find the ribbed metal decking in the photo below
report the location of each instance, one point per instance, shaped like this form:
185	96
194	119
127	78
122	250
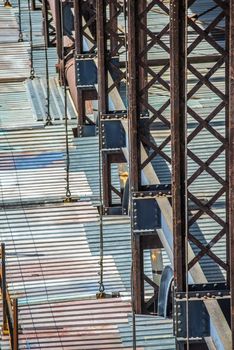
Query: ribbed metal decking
52	248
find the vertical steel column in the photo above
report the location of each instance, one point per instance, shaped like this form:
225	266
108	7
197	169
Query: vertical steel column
191	128
49	29
20	39
15	325
46	22
178	57
142	113
78	27
102	55
78	13
133	110
231	159
103	93
134	152
3	288
59	31
110	77
33	4
85	46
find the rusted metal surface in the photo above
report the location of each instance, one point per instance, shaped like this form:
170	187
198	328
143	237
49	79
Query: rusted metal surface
142	115
191	125
159	155
231	162
112	48
178	126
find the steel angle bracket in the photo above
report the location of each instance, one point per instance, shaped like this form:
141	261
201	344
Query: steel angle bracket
86	71
146	214
112	131
115	210
192	304
159	190
86	130
198	321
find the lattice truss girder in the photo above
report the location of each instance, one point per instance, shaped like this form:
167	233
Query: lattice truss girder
49	25
207	146
115	46
149	129
86	13
153	83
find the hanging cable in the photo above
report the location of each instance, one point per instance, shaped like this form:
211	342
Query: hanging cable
20	39
68	197
134	333
32	71
48	115
101	293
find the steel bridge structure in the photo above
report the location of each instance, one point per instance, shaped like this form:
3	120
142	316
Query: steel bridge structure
148	91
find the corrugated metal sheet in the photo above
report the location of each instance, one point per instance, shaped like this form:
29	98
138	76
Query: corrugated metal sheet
52	249
37	90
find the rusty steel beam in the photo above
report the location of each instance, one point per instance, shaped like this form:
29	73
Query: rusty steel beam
231	159
110	78
183	115
83	11
134	154
15	325
178	54
3	289
141	81
48	27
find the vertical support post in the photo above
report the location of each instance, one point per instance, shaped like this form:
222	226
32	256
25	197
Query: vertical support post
134	146
103	103
231	158
20	39
3	288
46	20
102	72
78	27
33	4
103	92
15	325
114	25
59	31
178	129
138	281
83	12
134	156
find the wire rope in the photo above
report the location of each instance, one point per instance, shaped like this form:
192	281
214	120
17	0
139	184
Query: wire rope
20	39
134	332
48	121
32	70
101	237
101	232
68	196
